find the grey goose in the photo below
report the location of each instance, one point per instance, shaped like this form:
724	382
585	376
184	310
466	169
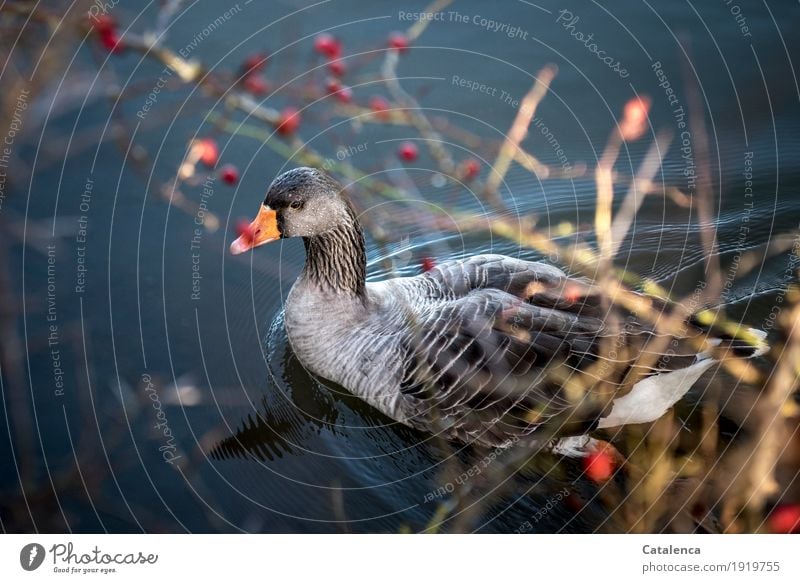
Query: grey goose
468	348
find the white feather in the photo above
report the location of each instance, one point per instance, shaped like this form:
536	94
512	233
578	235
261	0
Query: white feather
650	398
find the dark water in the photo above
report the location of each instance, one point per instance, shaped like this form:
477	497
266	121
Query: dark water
308	457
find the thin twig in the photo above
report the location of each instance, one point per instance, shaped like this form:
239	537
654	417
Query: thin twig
519	130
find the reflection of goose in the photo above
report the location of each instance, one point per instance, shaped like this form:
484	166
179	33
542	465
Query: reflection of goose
478	349
279	423
257	437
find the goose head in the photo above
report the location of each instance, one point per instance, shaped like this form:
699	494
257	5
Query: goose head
302	202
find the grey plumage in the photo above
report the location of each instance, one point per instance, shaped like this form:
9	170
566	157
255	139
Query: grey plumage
470	347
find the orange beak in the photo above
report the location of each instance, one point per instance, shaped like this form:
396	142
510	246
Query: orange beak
264	229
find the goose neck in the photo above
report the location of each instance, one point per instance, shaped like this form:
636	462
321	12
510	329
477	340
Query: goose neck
336	261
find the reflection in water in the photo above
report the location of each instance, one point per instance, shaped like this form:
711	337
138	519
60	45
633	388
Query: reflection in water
297	402
261	436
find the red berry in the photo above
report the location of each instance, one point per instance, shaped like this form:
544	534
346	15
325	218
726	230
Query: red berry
408	151
345	94
398	41
208	153
106	27
598	466
634	118
289	121
428	263
785	519
256	84
380	106
470	168
337	68
327	45
254	63
245	231
112	42
229	174
636	109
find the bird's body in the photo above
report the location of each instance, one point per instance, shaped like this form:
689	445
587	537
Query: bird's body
482	350
428	344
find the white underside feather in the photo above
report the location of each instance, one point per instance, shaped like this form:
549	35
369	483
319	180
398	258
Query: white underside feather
650	398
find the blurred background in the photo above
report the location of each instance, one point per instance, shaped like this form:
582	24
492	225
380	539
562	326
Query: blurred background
147	384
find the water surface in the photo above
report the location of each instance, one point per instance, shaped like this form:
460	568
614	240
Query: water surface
255	443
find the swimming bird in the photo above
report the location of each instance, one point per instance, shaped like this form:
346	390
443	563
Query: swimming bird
487	349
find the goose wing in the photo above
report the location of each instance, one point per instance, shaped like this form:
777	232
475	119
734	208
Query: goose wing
492	360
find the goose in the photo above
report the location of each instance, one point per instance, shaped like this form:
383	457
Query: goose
469	348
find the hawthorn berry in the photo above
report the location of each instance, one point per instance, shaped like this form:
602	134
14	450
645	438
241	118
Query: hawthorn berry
399	42
634	118
289	121
785	519
598	466
470	168
208	152
229	174
408	151
327	45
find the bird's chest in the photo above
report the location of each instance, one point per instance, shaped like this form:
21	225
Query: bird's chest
323	332
356	348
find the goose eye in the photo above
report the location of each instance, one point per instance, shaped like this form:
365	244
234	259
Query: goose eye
296	204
